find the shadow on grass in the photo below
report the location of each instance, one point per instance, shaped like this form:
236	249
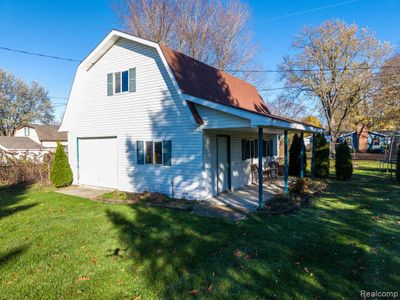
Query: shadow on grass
345	244
9	197
12	254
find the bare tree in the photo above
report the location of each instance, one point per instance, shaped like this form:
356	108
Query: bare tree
333	63
212	31
21	104
287	106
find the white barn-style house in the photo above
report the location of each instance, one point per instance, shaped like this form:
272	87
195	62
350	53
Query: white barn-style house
143	117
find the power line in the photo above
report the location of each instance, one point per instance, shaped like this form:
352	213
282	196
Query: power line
39	54
309	70
306	11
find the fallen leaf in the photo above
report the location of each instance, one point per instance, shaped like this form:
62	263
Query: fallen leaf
83	278
306	269
93	260
238	253
193	292
210	287
138	297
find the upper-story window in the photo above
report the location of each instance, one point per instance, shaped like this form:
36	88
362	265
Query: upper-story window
26	131
121	82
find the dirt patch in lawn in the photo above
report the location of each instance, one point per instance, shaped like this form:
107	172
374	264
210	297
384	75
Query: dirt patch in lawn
145	198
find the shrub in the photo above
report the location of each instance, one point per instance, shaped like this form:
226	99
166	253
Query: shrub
297	186
321	156
61	174
344	167
295	156
306	186
398	166
24	169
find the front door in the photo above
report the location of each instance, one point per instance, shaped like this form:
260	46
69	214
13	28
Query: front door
223	164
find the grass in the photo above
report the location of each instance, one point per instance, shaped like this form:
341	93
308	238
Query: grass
115	195
54	246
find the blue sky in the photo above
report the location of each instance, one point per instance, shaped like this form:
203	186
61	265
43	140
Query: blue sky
73	28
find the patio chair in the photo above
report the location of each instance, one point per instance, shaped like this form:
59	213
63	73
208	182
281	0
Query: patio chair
269	173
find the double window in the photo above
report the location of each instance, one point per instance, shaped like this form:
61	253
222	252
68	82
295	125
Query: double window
250	148
121	82
154	152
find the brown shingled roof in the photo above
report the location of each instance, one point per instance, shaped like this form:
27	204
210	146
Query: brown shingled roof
49	133
19	143
203	81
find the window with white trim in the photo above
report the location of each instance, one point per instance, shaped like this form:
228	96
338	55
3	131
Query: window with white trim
154	152
26	131
121	82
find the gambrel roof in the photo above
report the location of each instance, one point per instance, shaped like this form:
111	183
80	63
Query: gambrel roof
203	81
198	83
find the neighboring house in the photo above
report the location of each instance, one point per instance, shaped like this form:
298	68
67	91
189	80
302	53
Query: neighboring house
22	147
141	116
45	135
363	140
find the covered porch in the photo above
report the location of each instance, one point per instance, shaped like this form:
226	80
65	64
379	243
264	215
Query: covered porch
245	199
230	134
240	182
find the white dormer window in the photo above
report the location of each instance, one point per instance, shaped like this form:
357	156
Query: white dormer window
121	82
26	131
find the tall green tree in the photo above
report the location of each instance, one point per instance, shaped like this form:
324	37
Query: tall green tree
295	156
333	65
321	156
61	173
343	164
21	104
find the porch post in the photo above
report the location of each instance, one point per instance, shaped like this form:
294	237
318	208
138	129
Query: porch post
314	144
286	162
302	155
260	167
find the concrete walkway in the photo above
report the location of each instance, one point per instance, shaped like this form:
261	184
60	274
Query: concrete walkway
83	191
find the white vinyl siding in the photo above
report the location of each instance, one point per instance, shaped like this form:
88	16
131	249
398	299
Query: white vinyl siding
217	119
153	113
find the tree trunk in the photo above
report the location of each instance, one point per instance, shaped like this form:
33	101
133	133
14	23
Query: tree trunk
332	145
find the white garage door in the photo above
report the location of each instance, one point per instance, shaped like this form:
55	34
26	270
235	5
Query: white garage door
98	162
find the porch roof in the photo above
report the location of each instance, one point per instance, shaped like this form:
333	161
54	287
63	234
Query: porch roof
257	119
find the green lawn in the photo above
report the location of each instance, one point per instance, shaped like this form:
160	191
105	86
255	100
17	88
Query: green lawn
54	246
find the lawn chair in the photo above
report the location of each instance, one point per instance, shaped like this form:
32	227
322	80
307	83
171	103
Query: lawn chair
269	173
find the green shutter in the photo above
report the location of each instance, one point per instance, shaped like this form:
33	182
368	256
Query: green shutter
140	152
132	80
167	153
109	84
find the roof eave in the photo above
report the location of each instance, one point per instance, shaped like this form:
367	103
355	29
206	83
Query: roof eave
257	119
